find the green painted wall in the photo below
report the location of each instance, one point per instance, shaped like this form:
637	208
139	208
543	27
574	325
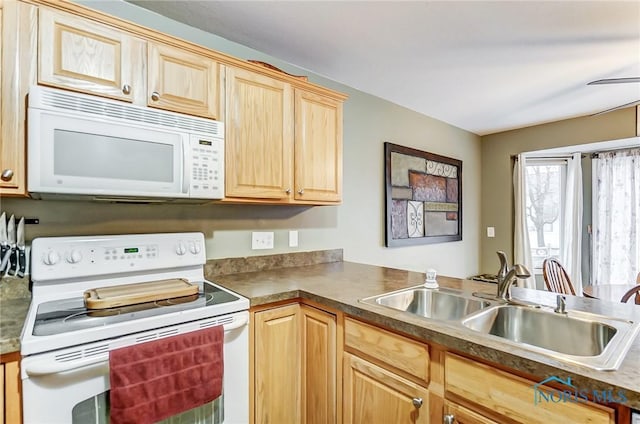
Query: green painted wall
357	225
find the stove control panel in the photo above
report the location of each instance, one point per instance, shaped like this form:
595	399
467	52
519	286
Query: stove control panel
72	257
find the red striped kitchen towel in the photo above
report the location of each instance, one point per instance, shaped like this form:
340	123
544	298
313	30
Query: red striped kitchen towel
156	380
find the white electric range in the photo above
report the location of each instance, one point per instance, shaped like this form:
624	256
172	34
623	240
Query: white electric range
65	346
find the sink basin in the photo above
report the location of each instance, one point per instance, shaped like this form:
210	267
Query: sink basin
591	340
442	304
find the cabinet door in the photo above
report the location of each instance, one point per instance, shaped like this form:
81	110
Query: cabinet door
1	383
374	395
12	398
85	56
461	415
259	136
18	73
318	147
318	366
277	365
182	82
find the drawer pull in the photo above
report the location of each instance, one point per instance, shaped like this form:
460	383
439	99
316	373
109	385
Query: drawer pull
448	419
126	89
155	96
417	402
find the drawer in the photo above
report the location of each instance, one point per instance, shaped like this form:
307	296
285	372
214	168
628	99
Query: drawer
498	392
399	352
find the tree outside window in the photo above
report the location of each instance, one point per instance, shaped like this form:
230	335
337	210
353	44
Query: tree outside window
544	209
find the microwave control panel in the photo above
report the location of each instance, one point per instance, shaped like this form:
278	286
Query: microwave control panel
207	167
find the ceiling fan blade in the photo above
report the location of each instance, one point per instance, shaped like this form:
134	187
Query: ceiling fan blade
637	102
614	81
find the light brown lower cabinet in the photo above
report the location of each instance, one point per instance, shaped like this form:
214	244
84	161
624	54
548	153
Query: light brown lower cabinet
456	414
294	366
319	368
502	396
374	395
385	377
11	400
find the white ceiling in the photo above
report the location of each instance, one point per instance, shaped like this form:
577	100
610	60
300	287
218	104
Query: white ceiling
484	66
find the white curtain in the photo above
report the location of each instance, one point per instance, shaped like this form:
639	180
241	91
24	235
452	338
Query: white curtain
616	217
571	254
521	248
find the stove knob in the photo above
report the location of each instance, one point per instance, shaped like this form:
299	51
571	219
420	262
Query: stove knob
181	249
50	257
194	248
74	256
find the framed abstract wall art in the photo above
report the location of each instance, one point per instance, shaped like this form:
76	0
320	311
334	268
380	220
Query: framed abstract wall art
423	194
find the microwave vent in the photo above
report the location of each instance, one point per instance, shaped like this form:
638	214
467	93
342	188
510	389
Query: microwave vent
49	98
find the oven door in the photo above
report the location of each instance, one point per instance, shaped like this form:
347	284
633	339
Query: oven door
72	385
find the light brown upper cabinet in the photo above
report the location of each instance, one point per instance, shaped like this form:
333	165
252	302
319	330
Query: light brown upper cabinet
182	82
284	145
318	147
259	136
283	134
82	55
17	73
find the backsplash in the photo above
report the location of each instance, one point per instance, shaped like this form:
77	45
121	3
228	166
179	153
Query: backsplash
217	267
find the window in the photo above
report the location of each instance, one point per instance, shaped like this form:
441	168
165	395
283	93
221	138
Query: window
616	217
545	181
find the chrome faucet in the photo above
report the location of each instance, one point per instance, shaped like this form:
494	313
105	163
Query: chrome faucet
504	265
507	276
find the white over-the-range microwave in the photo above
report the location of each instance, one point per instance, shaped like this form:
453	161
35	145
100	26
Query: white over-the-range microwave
101	149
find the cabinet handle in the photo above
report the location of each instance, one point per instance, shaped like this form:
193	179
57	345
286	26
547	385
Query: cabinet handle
301	191
7	175
288	191
155	96
417	402
449	419
126	89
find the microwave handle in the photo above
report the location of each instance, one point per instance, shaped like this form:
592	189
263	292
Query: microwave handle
186	163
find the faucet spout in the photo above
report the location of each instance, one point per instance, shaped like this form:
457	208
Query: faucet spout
504	265
504	285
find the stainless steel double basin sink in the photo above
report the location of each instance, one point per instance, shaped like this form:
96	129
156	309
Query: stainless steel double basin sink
591	340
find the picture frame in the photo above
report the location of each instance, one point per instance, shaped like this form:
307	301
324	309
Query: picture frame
423	197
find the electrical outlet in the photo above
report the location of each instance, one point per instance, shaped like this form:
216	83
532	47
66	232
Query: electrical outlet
635	417
262	240
491	231
293	238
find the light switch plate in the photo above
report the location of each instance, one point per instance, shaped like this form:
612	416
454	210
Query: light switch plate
635	417
491	231
262	240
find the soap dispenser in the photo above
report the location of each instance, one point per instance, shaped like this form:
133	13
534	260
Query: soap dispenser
430	281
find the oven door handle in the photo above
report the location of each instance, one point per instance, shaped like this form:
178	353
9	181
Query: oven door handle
47	366
238	321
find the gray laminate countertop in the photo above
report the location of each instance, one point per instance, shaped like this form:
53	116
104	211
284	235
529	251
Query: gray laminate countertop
14	304
340	285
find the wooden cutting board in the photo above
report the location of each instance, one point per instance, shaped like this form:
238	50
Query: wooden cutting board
130	294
